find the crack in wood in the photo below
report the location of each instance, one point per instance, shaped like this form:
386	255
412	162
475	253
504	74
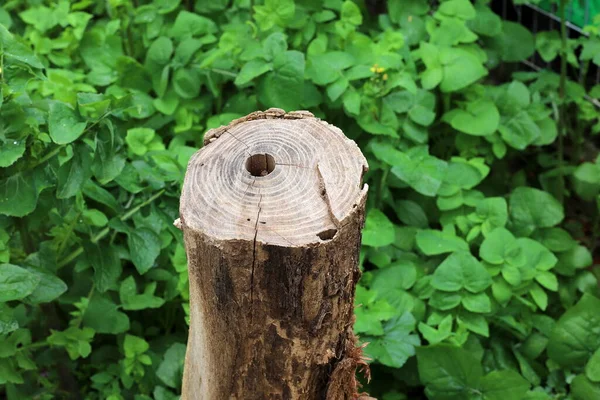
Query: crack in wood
254	260
325	197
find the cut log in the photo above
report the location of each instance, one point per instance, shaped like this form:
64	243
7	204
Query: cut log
272	209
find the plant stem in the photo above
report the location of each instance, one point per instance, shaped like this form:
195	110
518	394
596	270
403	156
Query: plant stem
562	104
100	235
382	185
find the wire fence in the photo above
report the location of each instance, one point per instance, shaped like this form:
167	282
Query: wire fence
544	18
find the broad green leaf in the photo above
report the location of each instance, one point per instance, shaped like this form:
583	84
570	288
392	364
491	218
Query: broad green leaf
448	372
352	100
475	323
50	287
274	12
15	50
160	51
586	180
576	335
103	316
73	174
397	344
64	123
479	118
584	389
519	130
188	24
477	303
514	44
433	242
460	69
16	282
411	213
459	271
75	340
106	264
131	300
170	370
486	22
144	247
378	231
531	208
10	150
284	86
18	194
592	368
494	247
503	385
252	69
143	140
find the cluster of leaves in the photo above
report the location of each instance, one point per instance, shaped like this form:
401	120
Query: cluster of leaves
483	215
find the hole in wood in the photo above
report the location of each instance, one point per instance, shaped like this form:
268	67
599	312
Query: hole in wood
260	164
327	234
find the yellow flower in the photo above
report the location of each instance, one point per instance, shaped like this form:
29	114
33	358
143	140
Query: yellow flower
385	77
380	70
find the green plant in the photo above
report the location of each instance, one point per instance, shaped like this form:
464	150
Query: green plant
483	216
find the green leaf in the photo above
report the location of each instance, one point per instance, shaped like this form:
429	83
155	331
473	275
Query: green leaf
160	51
64	124
531	208
397	344
73	174
586	180
188	24
16	282
433	242
351	13
103	316
448	372
479	118
477	303
461	270
170	370
18	194
503	385
10	150
144	247
274	12
576	335
583	389
378	231
50	287
75	340
252	69
519	130
592	368
411	213
337	88
106	264
284	86
143	140
460	69
351	100
495	246
15	50
515	43
131	300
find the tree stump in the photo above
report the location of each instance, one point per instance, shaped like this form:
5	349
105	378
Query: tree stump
272	209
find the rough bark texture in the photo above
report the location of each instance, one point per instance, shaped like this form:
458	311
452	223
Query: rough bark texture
273	271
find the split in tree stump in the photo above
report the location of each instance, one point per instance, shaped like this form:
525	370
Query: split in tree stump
272	210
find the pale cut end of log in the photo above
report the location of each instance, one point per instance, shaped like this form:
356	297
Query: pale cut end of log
271	209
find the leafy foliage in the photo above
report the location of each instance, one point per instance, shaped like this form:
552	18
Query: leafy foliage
481	236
